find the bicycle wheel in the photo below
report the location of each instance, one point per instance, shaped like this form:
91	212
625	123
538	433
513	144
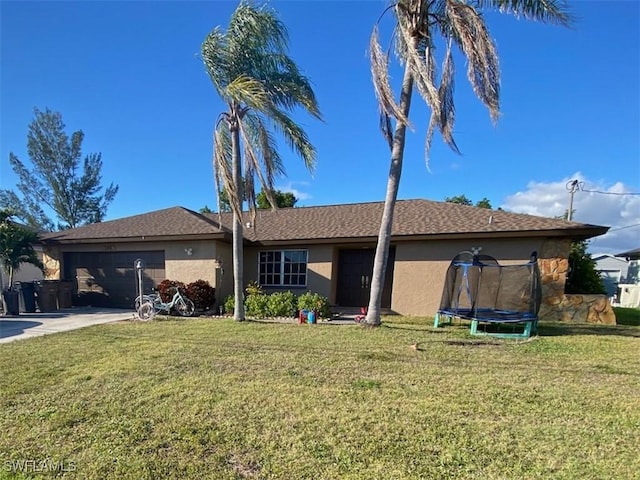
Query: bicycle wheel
146	311
145	298
185	307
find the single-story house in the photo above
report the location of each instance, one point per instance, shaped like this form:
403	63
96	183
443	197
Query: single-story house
613	271
628	293
324	249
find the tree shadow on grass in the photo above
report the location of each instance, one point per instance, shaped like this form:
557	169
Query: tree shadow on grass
556	329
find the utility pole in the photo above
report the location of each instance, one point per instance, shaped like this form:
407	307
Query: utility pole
572	186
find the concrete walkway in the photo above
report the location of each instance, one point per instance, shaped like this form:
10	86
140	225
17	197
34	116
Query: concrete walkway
29	325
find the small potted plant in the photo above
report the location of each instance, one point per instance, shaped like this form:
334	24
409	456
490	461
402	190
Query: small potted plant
16	247
314	302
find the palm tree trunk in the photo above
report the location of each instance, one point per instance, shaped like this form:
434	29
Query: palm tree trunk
395	170
237	245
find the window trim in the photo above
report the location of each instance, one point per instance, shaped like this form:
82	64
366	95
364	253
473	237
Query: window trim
282	273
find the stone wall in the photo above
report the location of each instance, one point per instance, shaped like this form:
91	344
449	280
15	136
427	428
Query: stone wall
51	264
554	266
553	262
580	308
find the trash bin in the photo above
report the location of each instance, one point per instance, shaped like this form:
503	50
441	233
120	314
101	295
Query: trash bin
11	302
64	294
47	295
27	296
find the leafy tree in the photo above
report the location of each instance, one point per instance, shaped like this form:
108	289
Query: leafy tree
419	26
260	85
582	276
484	203
463	200
16	245
60	179
283	199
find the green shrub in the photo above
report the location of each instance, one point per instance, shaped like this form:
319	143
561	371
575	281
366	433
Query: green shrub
257	305
583	278
627	316
202	294
166	289
229	304
282	304
254	288
314	301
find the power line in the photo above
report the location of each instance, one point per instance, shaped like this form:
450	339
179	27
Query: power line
622	228
582	189
575	185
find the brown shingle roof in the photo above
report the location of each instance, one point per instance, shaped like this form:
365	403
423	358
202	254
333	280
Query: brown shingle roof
336	222
170	222
411	218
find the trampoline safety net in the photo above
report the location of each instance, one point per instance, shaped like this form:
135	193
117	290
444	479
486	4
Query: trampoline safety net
478	288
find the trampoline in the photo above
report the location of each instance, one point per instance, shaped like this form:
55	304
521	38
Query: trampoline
477	288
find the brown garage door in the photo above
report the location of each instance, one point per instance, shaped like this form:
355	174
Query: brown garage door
107	279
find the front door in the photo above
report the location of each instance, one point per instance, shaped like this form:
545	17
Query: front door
355	268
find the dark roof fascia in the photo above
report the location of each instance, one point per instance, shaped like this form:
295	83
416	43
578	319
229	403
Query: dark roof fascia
630	255
225	236
575	234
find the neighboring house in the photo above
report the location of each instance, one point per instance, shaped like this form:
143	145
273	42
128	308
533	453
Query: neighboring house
613	271
26	272
325	249
629	287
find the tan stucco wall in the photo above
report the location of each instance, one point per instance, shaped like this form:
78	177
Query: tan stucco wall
224	273
420	268
203	263
320	263
419	272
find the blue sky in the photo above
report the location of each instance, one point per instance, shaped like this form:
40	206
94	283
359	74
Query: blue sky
129	75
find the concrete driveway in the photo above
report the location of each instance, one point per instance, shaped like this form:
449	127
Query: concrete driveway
29	325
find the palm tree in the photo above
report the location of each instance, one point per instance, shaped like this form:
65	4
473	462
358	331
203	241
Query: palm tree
420	25
260	85
16	248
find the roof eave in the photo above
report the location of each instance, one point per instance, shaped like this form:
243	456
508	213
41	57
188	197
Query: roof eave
573	234
137	239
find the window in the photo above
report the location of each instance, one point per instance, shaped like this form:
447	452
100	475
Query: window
283	268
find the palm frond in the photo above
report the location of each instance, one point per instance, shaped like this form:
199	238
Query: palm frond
420	57
381	82
248	91
295	137
445	93
470	33
266	161
213	51
266	144
221	155
256	28
547	11
222	168
386	128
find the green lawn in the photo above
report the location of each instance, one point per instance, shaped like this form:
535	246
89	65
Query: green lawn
217	399
627	316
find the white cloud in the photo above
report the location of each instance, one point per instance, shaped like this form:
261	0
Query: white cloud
594	202
299	194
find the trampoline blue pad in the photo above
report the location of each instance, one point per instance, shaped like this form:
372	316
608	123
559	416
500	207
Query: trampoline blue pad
490	316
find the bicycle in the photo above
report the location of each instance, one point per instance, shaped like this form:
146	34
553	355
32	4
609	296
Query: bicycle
152	304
